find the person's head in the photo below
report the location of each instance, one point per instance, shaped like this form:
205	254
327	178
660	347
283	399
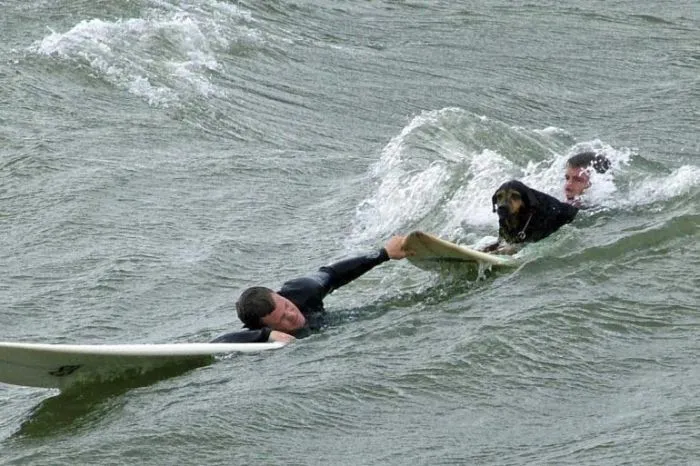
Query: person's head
261	307
578	176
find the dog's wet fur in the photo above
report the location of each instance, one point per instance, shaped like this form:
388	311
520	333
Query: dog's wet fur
526	215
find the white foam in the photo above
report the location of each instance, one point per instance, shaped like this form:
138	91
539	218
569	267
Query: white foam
551	131
470	205
652	189
393	154
164	57
431	177
97	44
399	198
427	172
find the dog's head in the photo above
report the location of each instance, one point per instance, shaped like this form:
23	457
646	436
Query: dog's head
525	214
513	201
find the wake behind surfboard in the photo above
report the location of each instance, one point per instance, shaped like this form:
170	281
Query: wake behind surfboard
61	366
431	249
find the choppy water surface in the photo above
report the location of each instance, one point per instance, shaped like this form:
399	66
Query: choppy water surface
157	157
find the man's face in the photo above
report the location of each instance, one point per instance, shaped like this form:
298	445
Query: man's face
577	180
286	317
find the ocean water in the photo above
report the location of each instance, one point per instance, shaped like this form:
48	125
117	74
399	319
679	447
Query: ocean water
157	157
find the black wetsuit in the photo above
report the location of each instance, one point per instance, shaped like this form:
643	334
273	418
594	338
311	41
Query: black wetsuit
307	294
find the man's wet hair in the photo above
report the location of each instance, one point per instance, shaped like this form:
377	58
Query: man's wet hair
600	163
254	304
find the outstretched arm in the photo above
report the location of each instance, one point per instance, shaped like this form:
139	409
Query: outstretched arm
343	272
308	292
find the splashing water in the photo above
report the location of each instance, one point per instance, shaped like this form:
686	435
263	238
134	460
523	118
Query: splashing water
440	172
129	53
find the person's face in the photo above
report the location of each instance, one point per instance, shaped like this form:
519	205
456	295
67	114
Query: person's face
576	182
286	317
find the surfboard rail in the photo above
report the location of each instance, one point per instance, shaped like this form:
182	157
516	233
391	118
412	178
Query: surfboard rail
60	365
430	247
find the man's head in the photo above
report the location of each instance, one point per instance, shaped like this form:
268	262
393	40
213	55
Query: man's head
261	307
578	175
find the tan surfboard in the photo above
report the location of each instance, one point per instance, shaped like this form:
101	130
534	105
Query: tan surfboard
61	365
428	247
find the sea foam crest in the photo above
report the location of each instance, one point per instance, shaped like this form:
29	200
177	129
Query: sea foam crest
439	173
432	177
651	189
162	58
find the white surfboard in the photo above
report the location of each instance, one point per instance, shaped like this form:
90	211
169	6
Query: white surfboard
428	247
59	366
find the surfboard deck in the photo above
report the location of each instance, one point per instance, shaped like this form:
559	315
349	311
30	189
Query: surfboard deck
428	247
61	365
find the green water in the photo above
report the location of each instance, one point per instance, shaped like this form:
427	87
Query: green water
158	157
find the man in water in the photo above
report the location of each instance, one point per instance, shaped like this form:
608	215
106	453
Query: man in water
578	179
578	174
297	308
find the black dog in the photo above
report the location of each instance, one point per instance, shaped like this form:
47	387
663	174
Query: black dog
527	215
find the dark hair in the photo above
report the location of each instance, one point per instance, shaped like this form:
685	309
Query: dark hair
254	304
600	163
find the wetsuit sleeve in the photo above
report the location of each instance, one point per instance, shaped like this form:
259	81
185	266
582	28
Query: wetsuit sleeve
308	292
261	335
343	272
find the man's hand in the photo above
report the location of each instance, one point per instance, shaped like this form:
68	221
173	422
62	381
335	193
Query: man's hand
281	337
394	247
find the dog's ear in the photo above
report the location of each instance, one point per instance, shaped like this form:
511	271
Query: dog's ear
493	200
530	198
